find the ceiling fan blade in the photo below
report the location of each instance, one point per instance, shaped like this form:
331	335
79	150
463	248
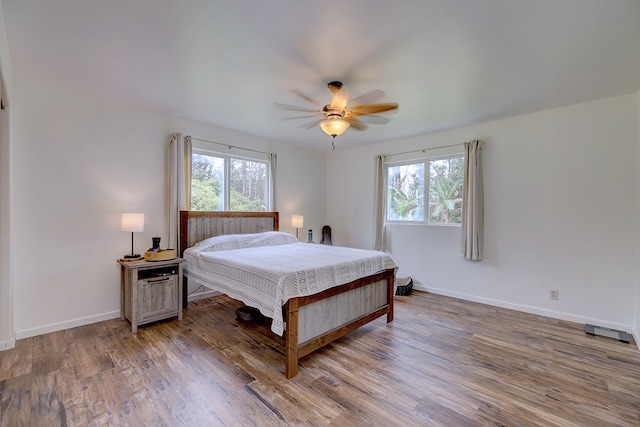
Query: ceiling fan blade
296	108
310	124
306	116
373	108
356	124
307	98
367	98
372	119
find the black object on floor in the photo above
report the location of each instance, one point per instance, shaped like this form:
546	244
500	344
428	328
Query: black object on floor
326	236
606	332
404	286
249	314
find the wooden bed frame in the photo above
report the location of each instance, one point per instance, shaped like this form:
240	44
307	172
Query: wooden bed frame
311	321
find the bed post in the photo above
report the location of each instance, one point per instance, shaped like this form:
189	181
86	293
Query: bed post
291	338
390	295
184	232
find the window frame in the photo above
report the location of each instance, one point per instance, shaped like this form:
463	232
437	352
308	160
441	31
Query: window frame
227	158
426	162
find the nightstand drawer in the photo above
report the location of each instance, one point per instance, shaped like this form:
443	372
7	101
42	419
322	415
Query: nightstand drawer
157	298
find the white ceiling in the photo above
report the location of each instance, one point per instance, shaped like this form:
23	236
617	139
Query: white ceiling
447	63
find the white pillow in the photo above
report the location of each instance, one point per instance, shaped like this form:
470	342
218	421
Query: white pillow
221	243
239	241
270	238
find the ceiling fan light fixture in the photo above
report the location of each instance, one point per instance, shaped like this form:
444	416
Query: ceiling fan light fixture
334	126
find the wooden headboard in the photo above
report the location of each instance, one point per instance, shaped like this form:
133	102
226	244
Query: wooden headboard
199	225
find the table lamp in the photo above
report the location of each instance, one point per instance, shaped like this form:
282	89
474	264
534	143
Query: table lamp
133	222
296	222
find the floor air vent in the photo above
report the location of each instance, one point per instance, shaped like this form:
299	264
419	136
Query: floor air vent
606	332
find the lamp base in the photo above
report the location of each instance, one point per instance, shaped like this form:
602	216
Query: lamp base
132	257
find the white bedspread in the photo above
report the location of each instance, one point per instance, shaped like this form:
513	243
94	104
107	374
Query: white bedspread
266	277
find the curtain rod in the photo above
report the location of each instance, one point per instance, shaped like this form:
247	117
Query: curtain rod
423	150
230	146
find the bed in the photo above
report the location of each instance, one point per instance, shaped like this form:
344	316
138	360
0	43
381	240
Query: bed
314	294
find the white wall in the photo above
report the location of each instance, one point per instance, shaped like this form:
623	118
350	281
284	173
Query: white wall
560	213
79	162
636	322
7	339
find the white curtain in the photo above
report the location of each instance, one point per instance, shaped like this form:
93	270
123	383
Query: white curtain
379	201
179	172
472	202
273	160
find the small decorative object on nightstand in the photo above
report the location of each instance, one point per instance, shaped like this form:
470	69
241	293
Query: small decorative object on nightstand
150	291
156	254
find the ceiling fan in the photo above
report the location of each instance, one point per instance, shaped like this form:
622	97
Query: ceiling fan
340	114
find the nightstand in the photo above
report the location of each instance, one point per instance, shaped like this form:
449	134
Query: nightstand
150	291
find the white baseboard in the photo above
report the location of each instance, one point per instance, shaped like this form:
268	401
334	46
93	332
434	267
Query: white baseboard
569	317
26	333
8	344
634	332
54	327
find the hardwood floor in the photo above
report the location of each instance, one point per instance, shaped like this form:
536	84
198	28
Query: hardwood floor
442	362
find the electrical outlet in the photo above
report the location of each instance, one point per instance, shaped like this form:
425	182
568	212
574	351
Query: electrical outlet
553	294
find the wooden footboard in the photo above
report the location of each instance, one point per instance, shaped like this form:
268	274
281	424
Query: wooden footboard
340	310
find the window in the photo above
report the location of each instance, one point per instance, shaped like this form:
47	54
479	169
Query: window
405	195
220	183
409	201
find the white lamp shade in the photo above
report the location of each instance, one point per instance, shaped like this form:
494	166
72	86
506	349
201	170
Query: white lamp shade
133	222
297	221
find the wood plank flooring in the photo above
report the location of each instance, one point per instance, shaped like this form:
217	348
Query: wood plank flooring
442	362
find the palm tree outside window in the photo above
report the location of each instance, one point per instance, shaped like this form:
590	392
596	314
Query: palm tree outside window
419	197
